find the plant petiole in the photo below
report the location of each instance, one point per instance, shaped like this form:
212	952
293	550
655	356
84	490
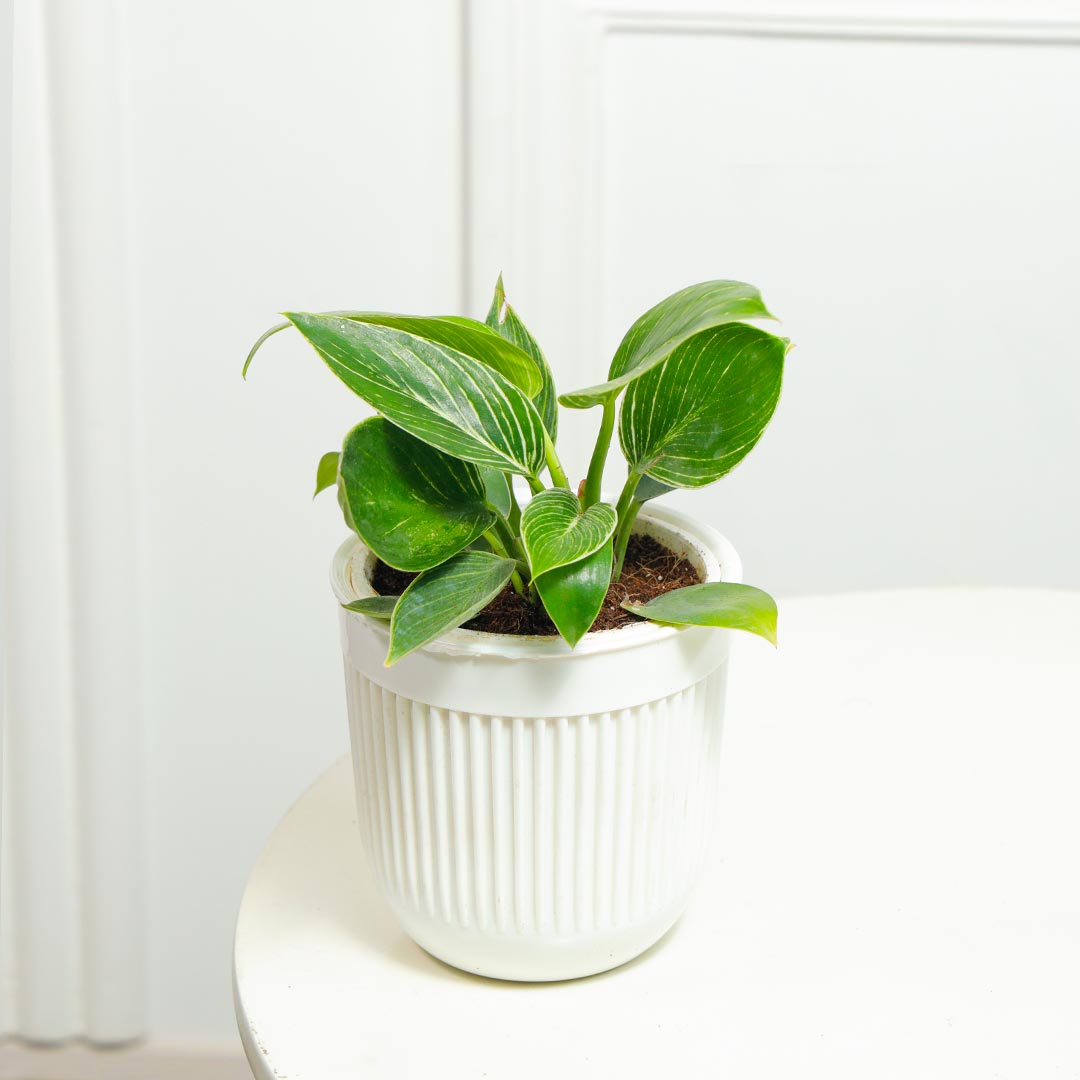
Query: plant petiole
627	510
623	537
558	476
599	456
499	548
508	539
514	520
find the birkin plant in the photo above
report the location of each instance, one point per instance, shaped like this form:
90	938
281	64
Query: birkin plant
464	407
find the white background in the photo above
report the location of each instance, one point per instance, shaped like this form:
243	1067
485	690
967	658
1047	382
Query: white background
903	192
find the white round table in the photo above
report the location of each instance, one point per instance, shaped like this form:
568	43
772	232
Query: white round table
894	891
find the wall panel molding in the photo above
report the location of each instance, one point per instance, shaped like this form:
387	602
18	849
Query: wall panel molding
532	211
73	831
1020	29
40	912
535	143
543	118
6	66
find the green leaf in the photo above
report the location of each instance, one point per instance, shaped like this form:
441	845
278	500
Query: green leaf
556	531
259	344
716	603
497	486
413	505
378	607
648	488
445	597
573	594
694	419
326	473
653	338
343	502
465	336
502	318
441	396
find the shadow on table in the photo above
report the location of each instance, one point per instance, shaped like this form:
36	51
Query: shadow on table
433	965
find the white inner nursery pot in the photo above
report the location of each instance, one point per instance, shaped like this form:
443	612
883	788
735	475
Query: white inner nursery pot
533	812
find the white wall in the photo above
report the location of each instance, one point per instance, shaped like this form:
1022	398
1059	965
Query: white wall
281	160
274	160
902	190
897	179
906	204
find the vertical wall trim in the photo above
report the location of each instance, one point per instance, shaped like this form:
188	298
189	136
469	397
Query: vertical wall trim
6	168
90	136
464	67
530	125
489	89
73	908
40	913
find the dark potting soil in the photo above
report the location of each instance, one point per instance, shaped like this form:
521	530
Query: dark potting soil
649	570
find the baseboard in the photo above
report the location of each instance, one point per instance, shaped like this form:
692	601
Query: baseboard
145	1061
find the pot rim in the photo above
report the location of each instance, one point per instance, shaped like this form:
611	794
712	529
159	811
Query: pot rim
711	553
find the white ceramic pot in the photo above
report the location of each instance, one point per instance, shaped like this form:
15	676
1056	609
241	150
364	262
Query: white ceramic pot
533	812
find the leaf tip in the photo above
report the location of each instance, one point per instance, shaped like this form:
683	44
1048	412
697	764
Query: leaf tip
499	305
295	318
276	328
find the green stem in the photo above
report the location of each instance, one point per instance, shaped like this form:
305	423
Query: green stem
514	521
499	549
626	496
623	537
558	477
535	485
507	538
627	511
514	550
496	544
519	584
599	455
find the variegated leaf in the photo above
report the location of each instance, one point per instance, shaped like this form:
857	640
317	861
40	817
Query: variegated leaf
653	338
445	597
443	397
502	318
556	531
693	419
467	336
413	505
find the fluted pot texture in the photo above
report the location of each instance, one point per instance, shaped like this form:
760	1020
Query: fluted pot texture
533	812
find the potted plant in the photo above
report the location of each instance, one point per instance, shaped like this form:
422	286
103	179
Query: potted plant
535	675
